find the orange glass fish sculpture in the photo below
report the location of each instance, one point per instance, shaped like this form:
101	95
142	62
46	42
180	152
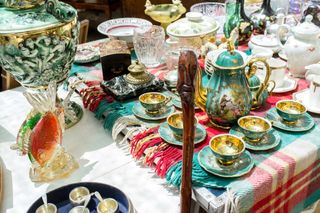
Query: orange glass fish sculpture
40	137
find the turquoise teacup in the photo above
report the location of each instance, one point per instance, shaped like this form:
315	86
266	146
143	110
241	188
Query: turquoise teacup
254	127
153	102
290	111
175	122
227	148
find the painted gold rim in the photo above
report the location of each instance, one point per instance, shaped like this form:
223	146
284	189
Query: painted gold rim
229	135
44	30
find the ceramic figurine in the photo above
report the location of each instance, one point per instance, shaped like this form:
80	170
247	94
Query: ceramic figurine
228	96
236	18
165	13
40	137
305	41
260	17
38	41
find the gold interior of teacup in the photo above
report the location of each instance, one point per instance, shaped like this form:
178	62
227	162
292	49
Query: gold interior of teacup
227	145
152	98
291	107
254	124
176	120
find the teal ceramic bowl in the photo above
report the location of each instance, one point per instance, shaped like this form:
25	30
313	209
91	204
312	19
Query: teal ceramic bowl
227	148
254	127
290	111
175	122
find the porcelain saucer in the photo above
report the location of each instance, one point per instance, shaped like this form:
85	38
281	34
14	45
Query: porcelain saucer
270	140
303	124
177	103
139	111
303	97
288	85
209	162
167	135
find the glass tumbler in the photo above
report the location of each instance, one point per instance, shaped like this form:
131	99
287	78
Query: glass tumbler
148	42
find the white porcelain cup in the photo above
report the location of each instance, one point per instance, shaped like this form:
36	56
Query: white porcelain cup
260	52
314	92
278	71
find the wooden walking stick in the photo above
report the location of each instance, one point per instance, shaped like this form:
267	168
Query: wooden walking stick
186	87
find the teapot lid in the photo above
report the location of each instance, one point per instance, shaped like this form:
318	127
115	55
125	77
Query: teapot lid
307	28
195	24
229	58
26	20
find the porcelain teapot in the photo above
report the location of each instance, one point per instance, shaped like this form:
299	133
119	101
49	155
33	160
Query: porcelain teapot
227	96
303	47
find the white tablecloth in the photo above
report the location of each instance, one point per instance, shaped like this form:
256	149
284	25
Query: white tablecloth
100	159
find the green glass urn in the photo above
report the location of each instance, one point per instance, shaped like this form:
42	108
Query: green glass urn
38	40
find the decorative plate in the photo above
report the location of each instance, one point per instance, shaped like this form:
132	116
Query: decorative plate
60	197
270	140
208	162
288	85
122	28
303	97
139	111
86	54
303	124
167	135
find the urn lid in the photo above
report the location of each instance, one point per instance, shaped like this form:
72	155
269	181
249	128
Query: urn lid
306	29
195	24
229	58
51	14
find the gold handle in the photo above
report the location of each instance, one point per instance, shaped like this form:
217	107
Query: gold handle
264	84
272	88
168	99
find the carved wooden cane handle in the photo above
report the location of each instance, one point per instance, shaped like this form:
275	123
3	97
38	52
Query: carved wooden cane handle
186	87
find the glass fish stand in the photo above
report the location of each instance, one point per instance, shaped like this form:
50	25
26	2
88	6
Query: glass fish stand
40	137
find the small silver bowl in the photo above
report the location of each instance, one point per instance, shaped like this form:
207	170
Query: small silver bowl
79	209
108	205
78	195
51	208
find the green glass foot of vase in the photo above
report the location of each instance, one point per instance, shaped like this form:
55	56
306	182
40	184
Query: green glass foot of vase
73	114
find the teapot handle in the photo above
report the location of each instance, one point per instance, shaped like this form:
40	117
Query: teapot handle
264	84
280	33
61	11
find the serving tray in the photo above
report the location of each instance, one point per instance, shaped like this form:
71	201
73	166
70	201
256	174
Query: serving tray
60	197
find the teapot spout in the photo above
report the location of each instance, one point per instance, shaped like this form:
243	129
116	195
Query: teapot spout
200	91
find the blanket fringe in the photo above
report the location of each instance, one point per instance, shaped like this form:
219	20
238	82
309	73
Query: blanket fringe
232	202
122	123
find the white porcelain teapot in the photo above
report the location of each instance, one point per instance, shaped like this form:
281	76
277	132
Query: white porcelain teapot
303	47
